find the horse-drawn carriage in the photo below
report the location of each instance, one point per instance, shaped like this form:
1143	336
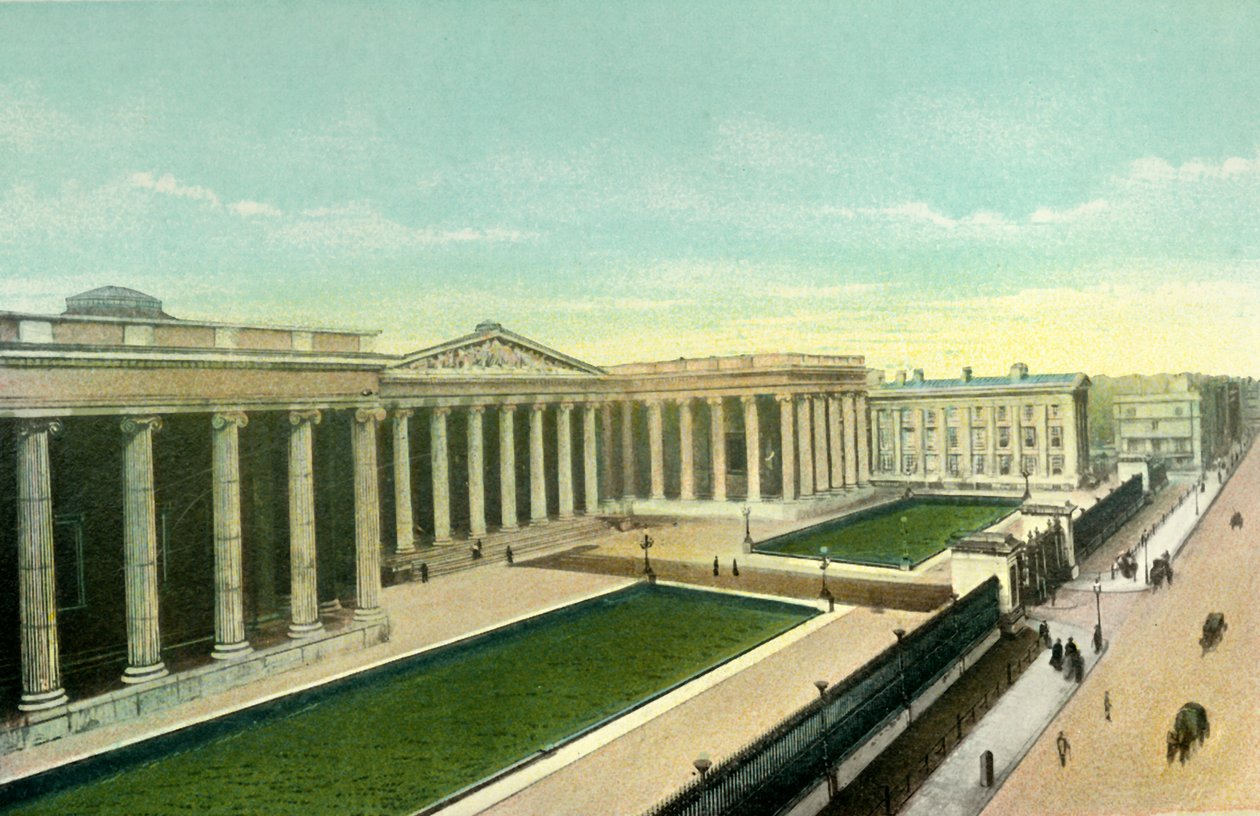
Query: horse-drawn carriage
1189	726
1236	521
1213	630
1161	571
1127	565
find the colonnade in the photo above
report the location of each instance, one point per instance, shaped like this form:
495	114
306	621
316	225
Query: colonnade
37	602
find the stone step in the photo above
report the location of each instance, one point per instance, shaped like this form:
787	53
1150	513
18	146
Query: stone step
533	540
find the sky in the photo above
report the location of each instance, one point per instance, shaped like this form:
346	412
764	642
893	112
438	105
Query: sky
931	185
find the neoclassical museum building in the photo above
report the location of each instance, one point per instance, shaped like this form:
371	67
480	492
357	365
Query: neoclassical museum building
174	484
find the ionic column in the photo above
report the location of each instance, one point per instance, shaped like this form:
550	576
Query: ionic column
37	584
225	487
805	445
476	473
898	466
787	443
304	600
686	452
822	471
854	441
920	440
1044	447
862	443
590	461
564	459
507	465
627	450
537	475
942	441
606	468
991	442
752	446
836	431
144	638
964	430
1017	440
367	517
656	449
404	520
717	443
441	475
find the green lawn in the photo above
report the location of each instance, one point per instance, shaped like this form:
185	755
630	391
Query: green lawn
875	536
397	743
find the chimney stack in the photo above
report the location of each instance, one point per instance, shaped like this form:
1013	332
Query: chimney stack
1019	371
966	374
900	377
918	375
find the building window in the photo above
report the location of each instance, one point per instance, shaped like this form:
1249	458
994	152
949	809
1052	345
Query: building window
1028	412
1157	445
1154	424
68	556
1130	412
951	438
1004	465
736	454
978	464
1004	437
1178	411
885	438
977	438
1056	465
909	464
1029	465
885	462
1001	412
1030	437
952	465
929	418
1056	436
1134	445
907	439
1055	411
951	415
977	413
929	463
1181	445
905	416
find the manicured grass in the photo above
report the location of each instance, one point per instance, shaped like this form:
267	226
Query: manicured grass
875	536
398	742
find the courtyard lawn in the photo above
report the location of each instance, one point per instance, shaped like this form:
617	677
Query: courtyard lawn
394	743
875	536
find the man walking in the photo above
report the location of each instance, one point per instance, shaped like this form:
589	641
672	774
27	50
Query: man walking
1107	705
1065	749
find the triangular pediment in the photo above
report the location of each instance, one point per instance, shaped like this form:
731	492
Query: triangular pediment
494	351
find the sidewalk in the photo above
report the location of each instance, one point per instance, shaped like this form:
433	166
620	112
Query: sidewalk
1008	730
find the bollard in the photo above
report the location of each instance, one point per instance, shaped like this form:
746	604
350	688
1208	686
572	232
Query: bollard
1008	674
959	723
986	769
888	811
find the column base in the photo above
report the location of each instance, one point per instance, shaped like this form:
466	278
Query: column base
297	631
534	522
330	606
565	514
43	700
437	542
405	550
228	651
373	615
474	534
509	528
134	675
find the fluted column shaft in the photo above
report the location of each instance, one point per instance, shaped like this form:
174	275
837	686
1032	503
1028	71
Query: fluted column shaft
537	473
590	461
144	637
627	450
303	601
854	441
717	446
822	470
752	447
606	467
805	445
404	519
898	465
686	452
656	448
476	473
367	517
438	457
787	444
564	459
1017	440
835	443
229	598
920	441
862	443
507	466
37	585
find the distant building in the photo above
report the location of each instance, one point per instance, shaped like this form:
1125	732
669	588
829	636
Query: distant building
981	432
1250	395
1196	420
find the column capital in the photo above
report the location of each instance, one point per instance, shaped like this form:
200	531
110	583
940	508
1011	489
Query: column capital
566	407
222	419
714	400
311	416
138	424
748	399
653	402
441	410
683	401
403	413
370	413
507	408
538	407
784	397
476	410
31	427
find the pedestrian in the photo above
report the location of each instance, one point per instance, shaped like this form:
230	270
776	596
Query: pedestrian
1056	655
1107	705
1098	639
735	567
1064	747
508	553
476	550
424	572
1043	633
715	566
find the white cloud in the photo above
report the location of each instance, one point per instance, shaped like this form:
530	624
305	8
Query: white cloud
358	225
249	208
1156	169
1047	215
167	185
918	211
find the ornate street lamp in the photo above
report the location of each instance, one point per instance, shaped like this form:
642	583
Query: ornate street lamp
901	671
826	593
1027	490
905	544
747	530
702	765
1098	635
821	685
646	545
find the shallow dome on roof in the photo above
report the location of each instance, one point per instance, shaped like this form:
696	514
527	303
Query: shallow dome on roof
115	301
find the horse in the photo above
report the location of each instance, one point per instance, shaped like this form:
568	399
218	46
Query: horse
1236	521
1160	571
1213	630
1190	725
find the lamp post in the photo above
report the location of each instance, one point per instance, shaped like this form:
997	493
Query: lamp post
702	765
826	593
747	530
901	672
905	544
1196	499
821	685
646	545
1027	490
1098	635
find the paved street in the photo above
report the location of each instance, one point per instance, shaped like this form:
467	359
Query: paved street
1153	667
